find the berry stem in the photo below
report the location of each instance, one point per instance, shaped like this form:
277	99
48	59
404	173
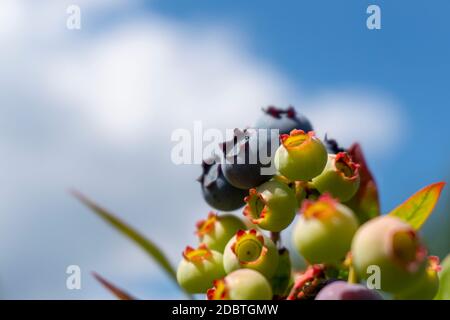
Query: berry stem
352	277
275	237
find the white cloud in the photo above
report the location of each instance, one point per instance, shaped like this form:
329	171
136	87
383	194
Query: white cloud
138	75
371	118
95	109
10	19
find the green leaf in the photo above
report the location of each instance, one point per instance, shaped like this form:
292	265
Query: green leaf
444	280
119	293
148	246
365	203
419	206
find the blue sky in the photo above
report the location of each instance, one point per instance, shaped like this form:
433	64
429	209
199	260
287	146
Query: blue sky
326	43
96	113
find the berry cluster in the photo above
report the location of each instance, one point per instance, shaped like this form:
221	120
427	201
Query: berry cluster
244	259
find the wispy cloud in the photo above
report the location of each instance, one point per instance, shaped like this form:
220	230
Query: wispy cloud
372	118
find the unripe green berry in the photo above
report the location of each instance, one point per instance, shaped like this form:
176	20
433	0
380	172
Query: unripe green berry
340	177
427	285
199	268
242	284
217	230
392	245
272	206
324	231
251	249
301	156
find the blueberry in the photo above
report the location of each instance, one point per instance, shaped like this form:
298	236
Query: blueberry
199	268
340	290
271	206
301	156
340	177
245	160
215	231
324	230
284	120
395	247
242	284
217	191
333	146
253	250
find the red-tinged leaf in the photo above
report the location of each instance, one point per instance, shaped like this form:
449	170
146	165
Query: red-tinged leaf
365	203
119	293
419	206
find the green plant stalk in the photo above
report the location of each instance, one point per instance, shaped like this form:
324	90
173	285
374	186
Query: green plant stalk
352	277
148	246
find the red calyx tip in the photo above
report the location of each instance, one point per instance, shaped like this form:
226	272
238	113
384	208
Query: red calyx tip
199	254
434	263
207	225
290	112
345	159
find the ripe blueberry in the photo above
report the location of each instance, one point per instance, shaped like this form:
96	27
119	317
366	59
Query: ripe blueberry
340	290
244	162
217	191
216	231
332	146
324	231
272	206
199	268
251	250
285	120
301	156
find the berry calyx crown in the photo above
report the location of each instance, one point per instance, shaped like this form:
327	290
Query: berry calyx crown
322	208
249	247
345	166
207	225
197	255
256	209
219	291
434	264
296	139
406	249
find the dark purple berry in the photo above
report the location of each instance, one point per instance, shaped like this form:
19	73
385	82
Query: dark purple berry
333	146
245	159
217	191
340	290
284	120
